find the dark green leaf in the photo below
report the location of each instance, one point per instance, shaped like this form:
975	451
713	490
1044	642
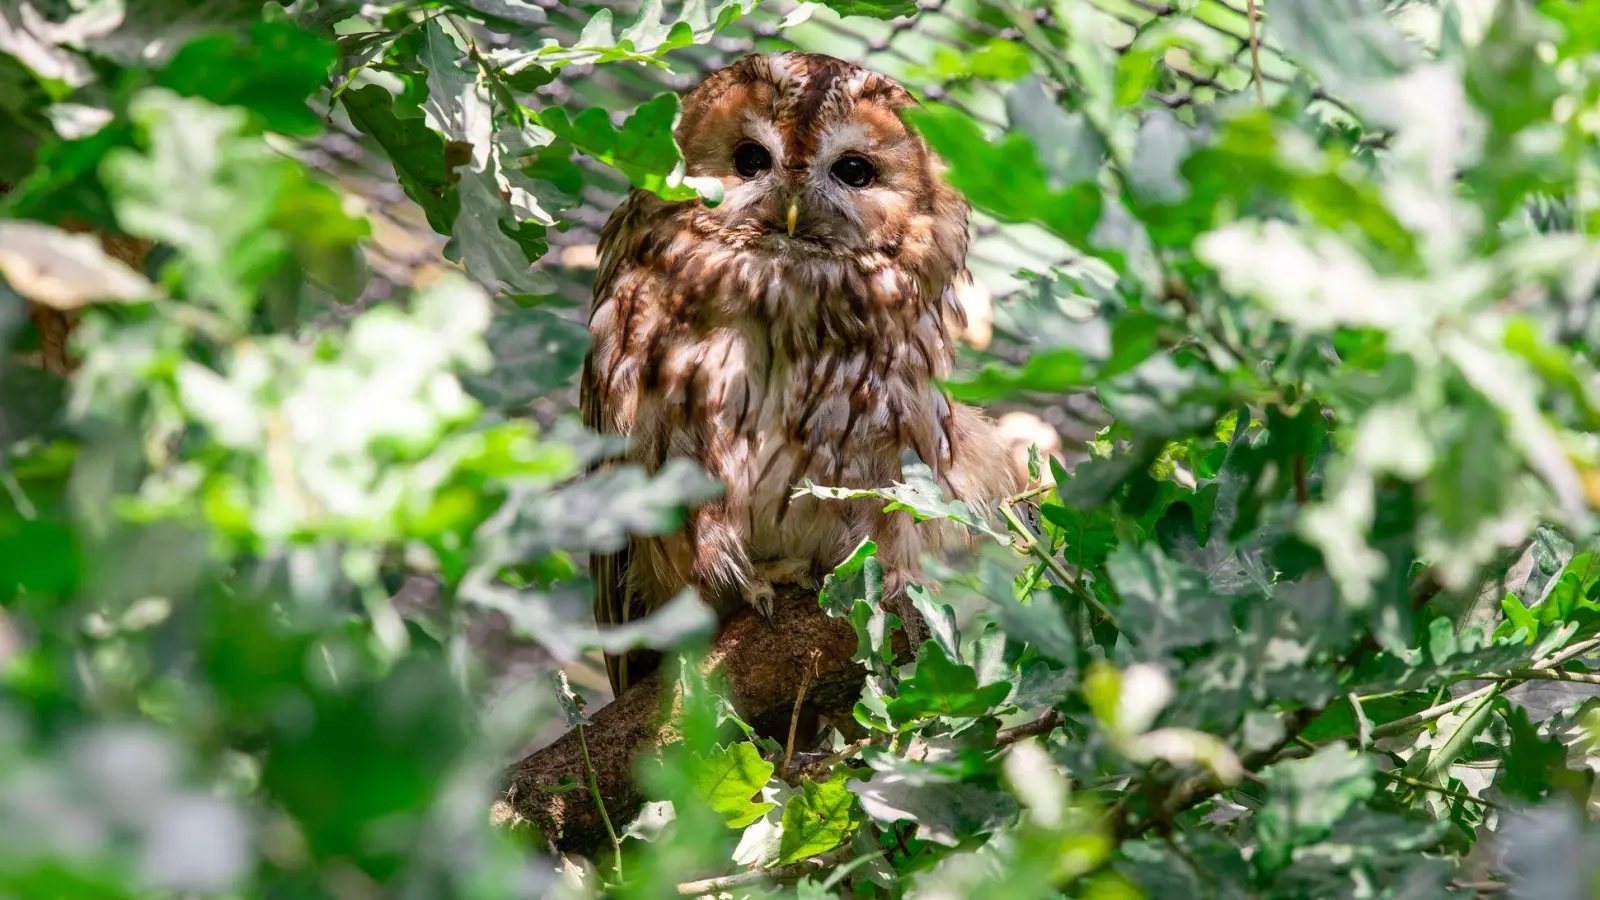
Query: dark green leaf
1166	606
941	687
535	352
1306	797
416	151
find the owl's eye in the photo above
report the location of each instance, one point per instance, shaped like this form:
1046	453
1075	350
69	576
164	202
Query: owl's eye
751	159
854	171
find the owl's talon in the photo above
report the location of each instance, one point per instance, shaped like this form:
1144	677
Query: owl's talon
761	595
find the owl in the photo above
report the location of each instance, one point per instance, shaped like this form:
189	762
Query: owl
792	332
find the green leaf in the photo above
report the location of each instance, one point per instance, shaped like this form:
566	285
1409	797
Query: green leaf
644	41
1054	371
1166	606
1338	720
1307	797
1088	535
271	71
1456	733
482	233
416	151
816	820
728	778
1530	760
513	12
940	619
535	352
845	584
993	61
920	495
1348	45
872	623
1070	148
877	9
1005	177
1256	166
643	149
941	687
32	403
236	210
1518	618
945	809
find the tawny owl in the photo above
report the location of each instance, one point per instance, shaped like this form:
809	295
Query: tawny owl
792	332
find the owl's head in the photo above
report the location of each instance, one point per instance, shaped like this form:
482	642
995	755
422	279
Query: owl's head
814	157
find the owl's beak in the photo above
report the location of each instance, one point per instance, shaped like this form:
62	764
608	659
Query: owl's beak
794	214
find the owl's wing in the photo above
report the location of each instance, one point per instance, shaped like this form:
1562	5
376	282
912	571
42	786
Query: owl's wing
608	571
613	604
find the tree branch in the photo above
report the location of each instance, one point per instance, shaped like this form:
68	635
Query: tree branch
761	664
757	876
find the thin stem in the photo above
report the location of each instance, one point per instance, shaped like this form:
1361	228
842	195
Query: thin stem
1040	552
1437	789
594	793
1042	725
1007	736
782	873
794	717
1544	669
1549	675
371	55
1255	52
1420	785
1028	494
821	766
19	497
1481	887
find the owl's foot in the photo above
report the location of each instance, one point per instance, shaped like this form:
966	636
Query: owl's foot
758	591
785	571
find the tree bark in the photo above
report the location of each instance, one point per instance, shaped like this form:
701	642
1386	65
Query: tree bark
762	665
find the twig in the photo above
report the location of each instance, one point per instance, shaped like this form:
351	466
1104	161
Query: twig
594	792
1437	789
1028	494
821	766
1043	554
1420	785
1195	788
1544	669
782	873
1007	736
1255	52
1178	292
794	717
1042	725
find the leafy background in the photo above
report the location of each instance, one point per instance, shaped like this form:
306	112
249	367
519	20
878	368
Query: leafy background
294	506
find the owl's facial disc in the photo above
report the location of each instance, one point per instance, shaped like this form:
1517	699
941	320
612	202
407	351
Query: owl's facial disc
813	157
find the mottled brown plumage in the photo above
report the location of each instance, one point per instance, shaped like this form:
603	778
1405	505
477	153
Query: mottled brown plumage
792	332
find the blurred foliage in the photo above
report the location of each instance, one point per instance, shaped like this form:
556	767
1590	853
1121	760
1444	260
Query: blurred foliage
1311	620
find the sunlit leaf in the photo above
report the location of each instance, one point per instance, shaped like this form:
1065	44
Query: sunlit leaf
729	778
